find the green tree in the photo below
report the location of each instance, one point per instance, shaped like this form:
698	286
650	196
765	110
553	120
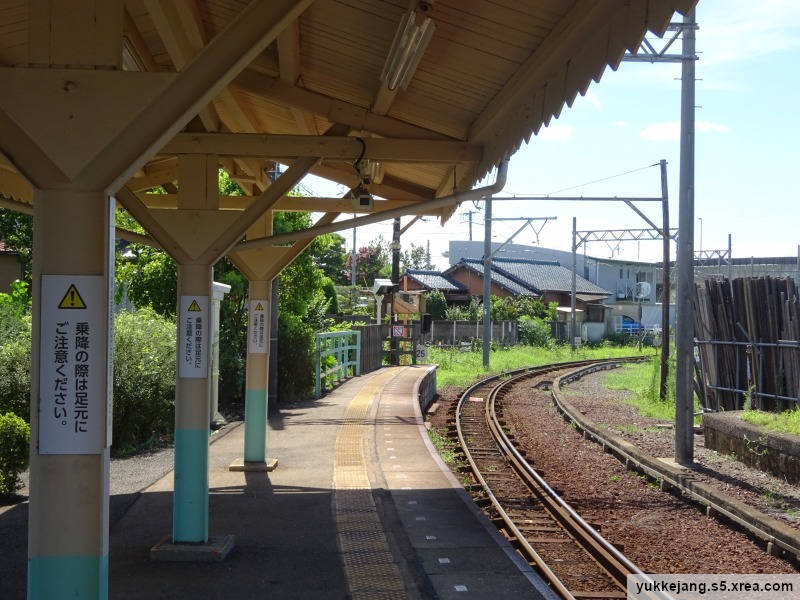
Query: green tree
416	257
16	231
332	257
372	261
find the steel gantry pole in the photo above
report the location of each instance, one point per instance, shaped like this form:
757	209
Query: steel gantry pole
572	302
487	280
684	342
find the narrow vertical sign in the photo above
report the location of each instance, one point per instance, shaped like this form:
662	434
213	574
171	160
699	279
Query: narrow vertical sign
257	327
72	372
194	335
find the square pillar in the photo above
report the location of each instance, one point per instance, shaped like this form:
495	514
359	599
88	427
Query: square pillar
70	395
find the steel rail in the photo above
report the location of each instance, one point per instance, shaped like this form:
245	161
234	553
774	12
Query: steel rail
611	560
668	476
577	527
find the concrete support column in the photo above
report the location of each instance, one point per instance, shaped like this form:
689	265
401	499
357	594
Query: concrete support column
192	405
258	355
219	291
68	513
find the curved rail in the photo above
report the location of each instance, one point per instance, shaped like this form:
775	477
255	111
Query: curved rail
773	532
611	560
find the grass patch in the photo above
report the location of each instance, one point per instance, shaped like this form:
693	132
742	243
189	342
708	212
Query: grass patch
444	446
782	422
463	368
643	380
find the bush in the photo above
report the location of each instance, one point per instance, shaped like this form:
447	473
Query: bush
15	365
436	304
535	332
144	380
15	435
295	357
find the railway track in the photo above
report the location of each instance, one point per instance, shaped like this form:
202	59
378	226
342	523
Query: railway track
567	551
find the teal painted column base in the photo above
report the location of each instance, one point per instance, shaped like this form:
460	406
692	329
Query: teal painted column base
57	577
190	504
255	425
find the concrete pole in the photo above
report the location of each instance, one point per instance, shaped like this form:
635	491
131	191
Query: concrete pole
662	388
258	355
219	290
487	281
68	511
272	388
572	300
730	259
684	338
192	405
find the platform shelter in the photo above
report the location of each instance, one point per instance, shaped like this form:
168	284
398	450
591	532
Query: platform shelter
409	104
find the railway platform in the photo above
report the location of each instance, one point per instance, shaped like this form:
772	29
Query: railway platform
360	506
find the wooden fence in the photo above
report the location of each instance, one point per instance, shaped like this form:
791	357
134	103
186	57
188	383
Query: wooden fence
372	339
748	339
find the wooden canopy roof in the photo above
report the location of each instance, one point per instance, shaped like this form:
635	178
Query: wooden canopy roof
493	74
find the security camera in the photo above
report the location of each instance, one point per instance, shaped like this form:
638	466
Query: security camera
361	198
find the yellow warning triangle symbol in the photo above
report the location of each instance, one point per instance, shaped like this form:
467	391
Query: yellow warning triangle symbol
194	307
259	307
72	299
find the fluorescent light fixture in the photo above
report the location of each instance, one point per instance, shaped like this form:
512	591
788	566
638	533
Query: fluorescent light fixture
409	44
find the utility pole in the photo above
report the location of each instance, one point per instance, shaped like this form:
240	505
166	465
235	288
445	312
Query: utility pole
487	280
684	338
662	388
469	217
353	280
572	302
395	279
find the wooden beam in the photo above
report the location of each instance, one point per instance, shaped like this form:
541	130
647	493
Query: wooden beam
138	46
153	178
145	218
286	203
263	203
196	85
336	111
335	148
289	65
297	248
391	187
180	44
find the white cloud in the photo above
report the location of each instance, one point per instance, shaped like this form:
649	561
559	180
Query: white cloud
732	30
620	123
709	126
671	131
662	132
556	133
592	98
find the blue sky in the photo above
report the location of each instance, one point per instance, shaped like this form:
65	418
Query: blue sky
748	132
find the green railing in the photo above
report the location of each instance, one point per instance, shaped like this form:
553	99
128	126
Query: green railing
337	344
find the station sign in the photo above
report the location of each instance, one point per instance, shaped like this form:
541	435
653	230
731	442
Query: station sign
74	405
193	331
257	327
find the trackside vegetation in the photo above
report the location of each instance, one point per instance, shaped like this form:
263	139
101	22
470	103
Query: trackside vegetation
457	368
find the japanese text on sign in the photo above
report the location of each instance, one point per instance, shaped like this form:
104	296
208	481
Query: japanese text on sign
72	399
194	329
257	327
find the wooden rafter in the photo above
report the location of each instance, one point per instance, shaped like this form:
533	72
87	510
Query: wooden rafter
341	148
332	109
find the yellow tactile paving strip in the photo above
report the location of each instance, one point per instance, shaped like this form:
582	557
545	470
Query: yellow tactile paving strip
368	562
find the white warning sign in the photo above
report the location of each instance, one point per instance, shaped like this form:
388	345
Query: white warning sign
193	328
257	327
73	371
